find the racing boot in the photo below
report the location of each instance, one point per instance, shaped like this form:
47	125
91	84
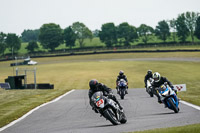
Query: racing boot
120	107
126	90
159	101
117	90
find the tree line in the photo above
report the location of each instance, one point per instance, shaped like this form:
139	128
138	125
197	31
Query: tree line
51	35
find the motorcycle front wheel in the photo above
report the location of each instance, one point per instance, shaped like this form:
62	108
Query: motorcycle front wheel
110	115
176	109
124	119
122	93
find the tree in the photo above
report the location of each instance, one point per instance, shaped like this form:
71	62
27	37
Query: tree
126	33
13	42
30	35
32	45
182	30
108	34
144	32
162	30
69	37
95	33
2	42
197	29
50	36
172	24
190	21
82	32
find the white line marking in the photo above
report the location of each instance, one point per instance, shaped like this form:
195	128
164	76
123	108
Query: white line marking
30	112
191	105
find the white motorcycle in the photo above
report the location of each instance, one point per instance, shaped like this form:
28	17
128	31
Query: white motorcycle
149	88
108	108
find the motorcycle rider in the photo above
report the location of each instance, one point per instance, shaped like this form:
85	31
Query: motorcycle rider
147	76
121	76
158	81
96	86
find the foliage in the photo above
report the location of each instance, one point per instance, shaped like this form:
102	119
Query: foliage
82	32
2	42
69	37
172	24
162	30
182	30
191	18
126	33
108	34
13	42
32	45
95	33
145	32
50	36
30	35
197	29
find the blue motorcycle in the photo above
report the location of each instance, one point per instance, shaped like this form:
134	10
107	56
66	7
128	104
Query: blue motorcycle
168	97
122	88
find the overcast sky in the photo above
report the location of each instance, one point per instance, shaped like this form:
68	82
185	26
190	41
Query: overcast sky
17	15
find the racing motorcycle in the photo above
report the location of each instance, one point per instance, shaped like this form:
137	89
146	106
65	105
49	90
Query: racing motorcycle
168	97
122	88
108	108
149	88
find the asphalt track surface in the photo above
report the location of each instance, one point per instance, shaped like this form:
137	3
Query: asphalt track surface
73	114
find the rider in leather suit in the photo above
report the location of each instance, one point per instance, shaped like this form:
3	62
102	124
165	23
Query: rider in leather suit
158	81
121	76
96	86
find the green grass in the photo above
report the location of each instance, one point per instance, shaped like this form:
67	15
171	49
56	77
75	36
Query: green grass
195	128
96	42
74	72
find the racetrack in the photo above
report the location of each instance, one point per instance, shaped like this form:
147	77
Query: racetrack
73	114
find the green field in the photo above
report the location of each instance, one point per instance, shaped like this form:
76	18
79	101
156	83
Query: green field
74	72
97	43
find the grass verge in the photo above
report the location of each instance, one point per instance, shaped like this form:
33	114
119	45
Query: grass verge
195	128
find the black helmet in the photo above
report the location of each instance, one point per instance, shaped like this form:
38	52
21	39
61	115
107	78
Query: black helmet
93	84
121	72
149	72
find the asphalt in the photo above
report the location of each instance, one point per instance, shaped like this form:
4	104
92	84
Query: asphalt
73	114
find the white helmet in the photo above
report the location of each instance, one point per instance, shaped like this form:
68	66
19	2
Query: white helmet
156	77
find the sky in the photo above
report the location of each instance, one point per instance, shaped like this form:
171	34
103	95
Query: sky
18	15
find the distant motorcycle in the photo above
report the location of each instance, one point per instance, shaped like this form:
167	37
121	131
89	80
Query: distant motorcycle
168	97
149	88
108	108
122	88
